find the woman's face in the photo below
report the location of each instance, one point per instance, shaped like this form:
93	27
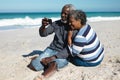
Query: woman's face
75	24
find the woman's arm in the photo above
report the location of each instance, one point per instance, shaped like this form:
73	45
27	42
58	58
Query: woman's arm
70	37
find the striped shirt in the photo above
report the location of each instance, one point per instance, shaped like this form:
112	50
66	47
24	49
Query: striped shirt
87	46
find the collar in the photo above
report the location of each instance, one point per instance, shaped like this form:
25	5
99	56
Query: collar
63	21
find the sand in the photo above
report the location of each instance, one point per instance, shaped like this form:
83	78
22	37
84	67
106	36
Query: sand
16	44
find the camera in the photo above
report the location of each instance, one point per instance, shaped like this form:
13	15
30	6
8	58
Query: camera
46	21
50	21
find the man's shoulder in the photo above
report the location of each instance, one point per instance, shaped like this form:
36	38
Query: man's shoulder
57	21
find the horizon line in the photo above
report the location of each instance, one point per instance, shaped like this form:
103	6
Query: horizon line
48	11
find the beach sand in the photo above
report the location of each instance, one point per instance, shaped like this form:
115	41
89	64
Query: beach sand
15	45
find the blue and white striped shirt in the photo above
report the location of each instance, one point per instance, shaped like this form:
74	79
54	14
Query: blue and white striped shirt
87	46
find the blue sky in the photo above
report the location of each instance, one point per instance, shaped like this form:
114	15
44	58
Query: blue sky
56	5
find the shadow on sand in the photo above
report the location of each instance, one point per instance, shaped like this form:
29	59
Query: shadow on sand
34	52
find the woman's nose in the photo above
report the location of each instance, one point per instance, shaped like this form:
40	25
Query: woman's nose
70	24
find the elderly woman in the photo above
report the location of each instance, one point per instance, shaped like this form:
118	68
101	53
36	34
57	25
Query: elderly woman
85	48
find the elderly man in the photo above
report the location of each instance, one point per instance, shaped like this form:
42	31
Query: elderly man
54	56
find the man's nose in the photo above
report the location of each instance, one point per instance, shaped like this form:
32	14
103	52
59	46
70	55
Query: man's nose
63	14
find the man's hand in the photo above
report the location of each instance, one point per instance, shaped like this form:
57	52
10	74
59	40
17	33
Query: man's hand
47	60
46	21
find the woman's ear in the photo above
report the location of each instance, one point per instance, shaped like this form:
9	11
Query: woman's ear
79	20
80	23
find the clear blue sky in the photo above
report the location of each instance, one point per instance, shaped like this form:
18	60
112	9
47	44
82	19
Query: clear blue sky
56	5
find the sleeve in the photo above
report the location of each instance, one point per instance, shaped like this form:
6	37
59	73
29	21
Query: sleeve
78	45
48	30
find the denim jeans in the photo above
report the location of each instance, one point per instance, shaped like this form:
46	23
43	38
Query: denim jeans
78	62
47	53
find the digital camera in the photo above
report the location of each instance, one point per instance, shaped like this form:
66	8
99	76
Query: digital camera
50	21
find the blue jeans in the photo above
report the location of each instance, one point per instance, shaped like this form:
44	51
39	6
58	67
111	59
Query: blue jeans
78	62
47	53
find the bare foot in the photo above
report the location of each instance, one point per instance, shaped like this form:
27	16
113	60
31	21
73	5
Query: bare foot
31	67
39	78
52	67
32	58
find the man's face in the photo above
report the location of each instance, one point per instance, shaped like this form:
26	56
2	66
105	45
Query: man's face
64	13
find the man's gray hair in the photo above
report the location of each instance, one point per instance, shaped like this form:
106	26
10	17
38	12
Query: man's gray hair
70	6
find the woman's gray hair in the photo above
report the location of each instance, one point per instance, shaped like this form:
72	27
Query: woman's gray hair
70	6
78	14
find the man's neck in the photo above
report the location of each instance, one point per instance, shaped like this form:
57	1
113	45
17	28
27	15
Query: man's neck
64	21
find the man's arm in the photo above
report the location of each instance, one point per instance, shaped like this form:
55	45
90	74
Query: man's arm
46	28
